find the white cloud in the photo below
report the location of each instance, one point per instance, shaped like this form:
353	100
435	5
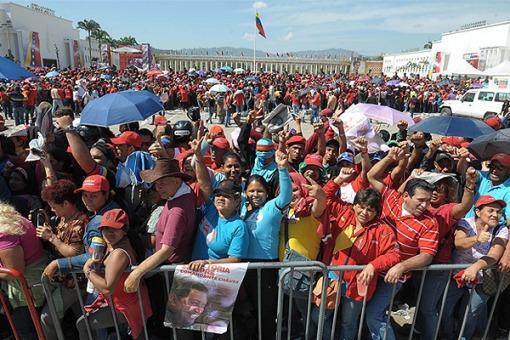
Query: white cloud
288	36
248	36
259	5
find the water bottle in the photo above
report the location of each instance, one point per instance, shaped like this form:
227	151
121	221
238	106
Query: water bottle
97	247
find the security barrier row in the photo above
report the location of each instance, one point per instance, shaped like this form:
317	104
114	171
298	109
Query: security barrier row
284	319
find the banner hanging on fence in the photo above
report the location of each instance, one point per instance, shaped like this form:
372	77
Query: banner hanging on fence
203	300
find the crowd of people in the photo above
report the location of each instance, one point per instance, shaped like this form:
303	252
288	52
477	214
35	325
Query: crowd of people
183	193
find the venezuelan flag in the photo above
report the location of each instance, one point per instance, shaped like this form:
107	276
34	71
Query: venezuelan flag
258	23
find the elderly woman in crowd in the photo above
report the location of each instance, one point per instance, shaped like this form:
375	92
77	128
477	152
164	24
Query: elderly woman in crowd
480	241
21	250
65	241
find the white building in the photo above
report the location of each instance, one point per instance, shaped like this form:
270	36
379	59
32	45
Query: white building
416	62
480	45
34	36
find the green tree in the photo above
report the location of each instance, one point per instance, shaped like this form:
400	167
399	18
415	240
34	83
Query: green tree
89	26
102	37
127	41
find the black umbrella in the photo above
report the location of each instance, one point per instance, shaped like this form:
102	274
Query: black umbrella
304	91
486	146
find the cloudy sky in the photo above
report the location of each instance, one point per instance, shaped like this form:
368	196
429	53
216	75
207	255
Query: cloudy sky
367	26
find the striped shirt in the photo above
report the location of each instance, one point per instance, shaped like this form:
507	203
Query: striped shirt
415	235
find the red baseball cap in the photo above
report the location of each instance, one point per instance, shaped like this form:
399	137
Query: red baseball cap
296	140
502	158
115	218
486	199
216	131
326	113
129	138
160	120
94	183
494	122
221	143
313	159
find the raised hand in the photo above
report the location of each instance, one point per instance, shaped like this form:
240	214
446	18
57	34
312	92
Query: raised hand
471	176
484	235
195	145
435	145
314	189
158	151
318	128
281	159
361	144
345	175
463	153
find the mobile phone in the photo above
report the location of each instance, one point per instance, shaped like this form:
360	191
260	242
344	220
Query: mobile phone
40	218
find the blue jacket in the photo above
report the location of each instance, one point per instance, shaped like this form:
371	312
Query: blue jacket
75	263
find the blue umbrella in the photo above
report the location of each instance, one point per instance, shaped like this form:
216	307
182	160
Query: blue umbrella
9	70
453	126
226	68
52	74
443	82
252	78
376	80
218	70
106	76
201	73
393	82
120	108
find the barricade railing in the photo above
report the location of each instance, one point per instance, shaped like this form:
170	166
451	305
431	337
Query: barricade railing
27	295
313	317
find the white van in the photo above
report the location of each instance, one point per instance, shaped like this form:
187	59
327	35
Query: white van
480	103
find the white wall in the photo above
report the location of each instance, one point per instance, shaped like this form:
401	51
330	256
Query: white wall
52	31
491	43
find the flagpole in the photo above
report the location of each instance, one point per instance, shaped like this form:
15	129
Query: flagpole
255	44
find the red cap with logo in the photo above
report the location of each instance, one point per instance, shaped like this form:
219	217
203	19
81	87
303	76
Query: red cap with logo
115	218
296	140
221	143
94	183
313	159
502	158
129	138
160	120
486	199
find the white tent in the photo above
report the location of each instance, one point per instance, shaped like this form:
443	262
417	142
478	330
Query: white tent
126	49
462	67
502	69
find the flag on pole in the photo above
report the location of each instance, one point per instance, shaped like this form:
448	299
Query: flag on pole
258	23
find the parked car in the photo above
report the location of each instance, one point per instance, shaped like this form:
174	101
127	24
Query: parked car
480	103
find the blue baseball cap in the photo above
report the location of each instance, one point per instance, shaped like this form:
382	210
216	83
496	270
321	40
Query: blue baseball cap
346	156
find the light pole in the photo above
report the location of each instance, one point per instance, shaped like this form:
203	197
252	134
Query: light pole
58	59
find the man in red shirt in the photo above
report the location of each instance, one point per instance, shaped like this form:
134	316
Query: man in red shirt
315	103
417	236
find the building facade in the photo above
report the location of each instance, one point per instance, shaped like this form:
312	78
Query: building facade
264	64
416	62
34	36
479	44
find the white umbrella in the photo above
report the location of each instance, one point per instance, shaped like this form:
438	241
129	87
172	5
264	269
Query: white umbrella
402	84
220	88
212	81
238	70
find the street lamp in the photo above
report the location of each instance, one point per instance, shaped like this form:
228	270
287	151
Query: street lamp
58	59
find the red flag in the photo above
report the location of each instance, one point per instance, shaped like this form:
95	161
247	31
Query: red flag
258	23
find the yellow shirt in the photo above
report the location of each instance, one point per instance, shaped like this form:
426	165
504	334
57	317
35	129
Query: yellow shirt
303	236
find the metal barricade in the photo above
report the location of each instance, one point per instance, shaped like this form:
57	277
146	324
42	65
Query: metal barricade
27	295
314	327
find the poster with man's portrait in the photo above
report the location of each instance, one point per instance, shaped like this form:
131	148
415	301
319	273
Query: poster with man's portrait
203	300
